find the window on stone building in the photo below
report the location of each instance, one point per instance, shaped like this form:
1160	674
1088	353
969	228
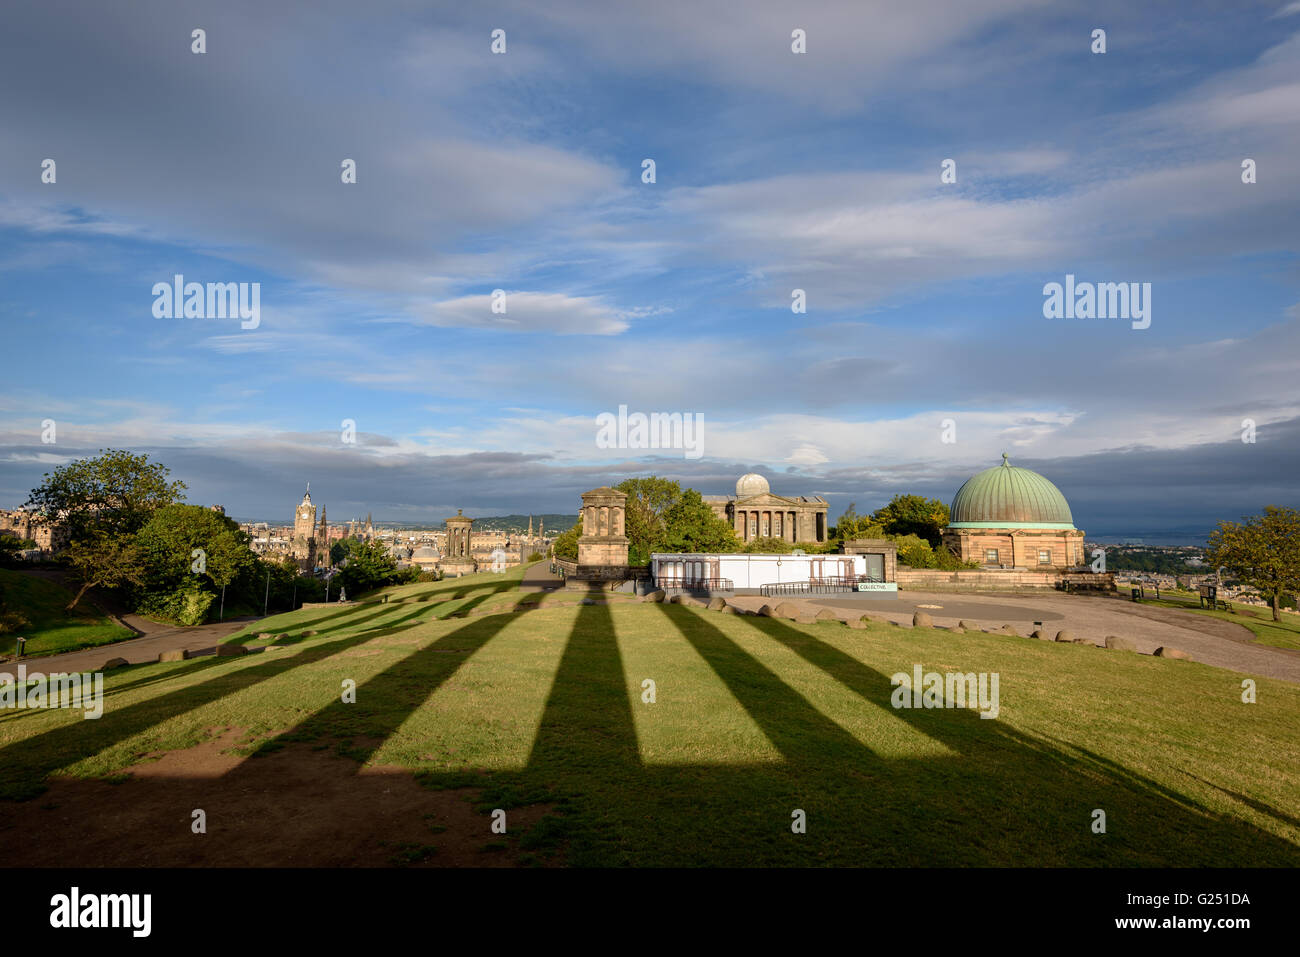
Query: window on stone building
990	556
1044	557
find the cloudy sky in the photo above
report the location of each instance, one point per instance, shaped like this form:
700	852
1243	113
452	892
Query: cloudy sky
774	171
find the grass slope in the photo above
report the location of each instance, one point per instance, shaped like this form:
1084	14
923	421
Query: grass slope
52	629
538	699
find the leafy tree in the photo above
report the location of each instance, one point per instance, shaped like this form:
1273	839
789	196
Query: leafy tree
1263	551
114	493
690	525
913	515
369	566
175	579
566	543
104	560
648	499
852	525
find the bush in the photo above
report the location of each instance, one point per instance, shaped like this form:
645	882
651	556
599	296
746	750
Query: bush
186	605
767	545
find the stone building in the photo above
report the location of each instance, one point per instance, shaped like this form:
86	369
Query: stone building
1009	517
22	523
302	544
756	512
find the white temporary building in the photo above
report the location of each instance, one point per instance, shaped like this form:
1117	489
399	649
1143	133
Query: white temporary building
757	570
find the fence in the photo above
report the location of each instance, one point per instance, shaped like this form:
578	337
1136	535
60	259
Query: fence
822	586
698	584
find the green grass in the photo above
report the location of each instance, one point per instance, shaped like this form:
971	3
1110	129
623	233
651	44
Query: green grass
471	682
52	629
1278	634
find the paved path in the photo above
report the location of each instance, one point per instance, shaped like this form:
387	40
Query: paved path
135	650
1211	641
540	578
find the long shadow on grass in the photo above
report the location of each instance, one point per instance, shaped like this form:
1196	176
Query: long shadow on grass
586	726
24	764
387	699
1003	797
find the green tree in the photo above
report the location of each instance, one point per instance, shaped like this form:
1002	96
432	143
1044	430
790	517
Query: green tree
852	525
1262	551
369	566
104	560
190	551
647	501
690	525
114	493
913	515
566	543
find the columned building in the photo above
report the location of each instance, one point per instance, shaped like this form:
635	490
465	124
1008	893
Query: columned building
1009	517
755	512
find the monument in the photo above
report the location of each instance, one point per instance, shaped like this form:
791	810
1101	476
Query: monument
458	560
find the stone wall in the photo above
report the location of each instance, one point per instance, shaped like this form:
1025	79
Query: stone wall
982	579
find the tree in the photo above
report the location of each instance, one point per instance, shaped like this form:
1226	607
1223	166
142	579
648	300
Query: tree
647	501
913	515
853	525
105	560
690	525
112	494
566	543
369	566
189	551
1263	551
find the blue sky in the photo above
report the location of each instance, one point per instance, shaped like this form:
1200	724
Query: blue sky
775	171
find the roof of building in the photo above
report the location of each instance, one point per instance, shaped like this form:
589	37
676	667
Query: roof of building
1007	496
750	484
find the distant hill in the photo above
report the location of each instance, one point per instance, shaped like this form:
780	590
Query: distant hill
554	523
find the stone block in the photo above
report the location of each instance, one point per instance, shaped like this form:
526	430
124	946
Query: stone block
922	620
1121	644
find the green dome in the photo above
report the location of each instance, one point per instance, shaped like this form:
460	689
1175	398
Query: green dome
1009	497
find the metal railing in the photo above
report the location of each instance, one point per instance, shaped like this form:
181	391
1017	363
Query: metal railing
697	584
820	586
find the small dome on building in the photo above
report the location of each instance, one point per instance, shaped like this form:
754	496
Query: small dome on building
1007	496
751	483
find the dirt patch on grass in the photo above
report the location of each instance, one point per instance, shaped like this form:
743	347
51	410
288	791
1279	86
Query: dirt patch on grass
302	805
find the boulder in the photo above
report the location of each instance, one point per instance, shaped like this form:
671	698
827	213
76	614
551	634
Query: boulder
717	604
310	632
855	623
1085	641
787	610
1064	636
655	596
1038	633
922	620
282	636
587	601
957	630
826	615
231	651
1121	644
965	625
730	610
767	611
264	636
1164	652
676	599
1008	630
176	654
112	663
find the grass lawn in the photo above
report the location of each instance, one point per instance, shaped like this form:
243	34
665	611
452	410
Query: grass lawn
1279	634
52	629
473	682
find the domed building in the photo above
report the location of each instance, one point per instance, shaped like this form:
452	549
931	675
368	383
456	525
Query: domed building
756	512
1009	517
